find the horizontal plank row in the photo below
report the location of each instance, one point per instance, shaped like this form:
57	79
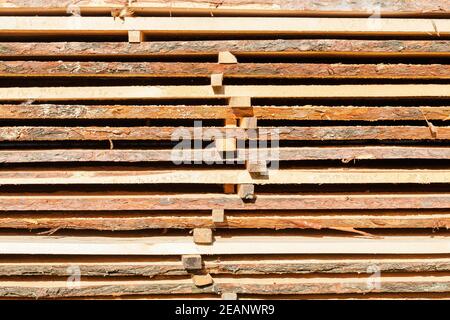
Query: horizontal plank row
397	91
119	202
268	220
179	245
307	112
220	25
224	265
241	70
390	7
346	154
217	176
22	133
304	47
264	286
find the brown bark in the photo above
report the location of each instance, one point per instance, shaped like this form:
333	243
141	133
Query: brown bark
261	265
58	289
264	133
231	202
340	113
253	70
272	220
305	47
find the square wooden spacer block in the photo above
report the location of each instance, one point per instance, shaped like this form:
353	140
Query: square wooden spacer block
135	36
226	57
192	261
202	280
246	191
240	101
203	236
217	80
258	167
218	215
229	296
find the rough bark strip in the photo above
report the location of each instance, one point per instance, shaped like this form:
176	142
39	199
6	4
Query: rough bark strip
271	220
346	154
263	265
267	286
253	70
211	133
232	202
341	113
297	47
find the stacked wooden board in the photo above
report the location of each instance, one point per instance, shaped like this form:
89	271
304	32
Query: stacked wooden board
344	103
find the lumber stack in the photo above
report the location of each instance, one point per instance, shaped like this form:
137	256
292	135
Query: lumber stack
224	149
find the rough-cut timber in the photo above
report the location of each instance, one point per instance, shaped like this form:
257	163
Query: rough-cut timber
397	91
120	202
124	266
18	133
346	154
217	176
268	220
265	286
307	112
241	70
305	47
195	26
243	245
279	7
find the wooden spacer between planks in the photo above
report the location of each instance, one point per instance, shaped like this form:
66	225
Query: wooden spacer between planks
203	236
218	215
135	36
192	261
226	57
217	80
202	280
246	191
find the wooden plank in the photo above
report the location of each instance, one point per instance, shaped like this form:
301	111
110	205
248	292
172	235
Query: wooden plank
300	48
215	70
224	265
222	25
331	113
173	245
269	220
263	286
217	176
119	202
346	154
387	7
18	133
397	91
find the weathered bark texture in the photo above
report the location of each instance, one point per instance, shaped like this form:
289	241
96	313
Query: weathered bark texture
211	201
346	154
298	47
210	133
252	70
340	113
